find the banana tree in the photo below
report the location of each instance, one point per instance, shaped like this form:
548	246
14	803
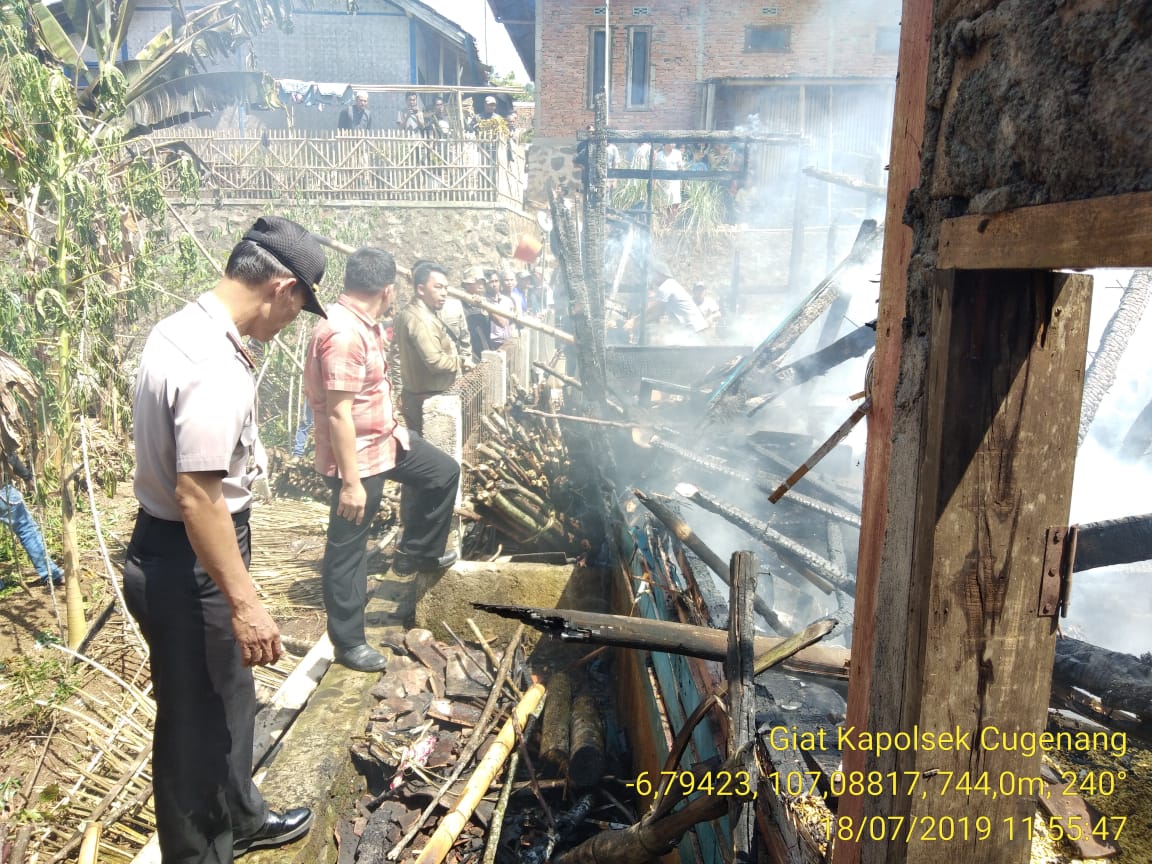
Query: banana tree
76	202
173	78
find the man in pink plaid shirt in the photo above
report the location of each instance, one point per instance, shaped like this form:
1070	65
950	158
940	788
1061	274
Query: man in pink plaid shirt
359	445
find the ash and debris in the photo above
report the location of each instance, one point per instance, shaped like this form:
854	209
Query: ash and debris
430	703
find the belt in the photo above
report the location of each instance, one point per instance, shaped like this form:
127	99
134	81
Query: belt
146	518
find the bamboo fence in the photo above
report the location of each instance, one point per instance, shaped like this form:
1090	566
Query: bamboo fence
392	166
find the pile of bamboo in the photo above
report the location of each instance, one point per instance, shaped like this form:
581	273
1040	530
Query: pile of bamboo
517	484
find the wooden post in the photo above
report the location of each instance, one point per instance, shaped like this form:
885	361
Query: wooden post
903	176
742	697
967	650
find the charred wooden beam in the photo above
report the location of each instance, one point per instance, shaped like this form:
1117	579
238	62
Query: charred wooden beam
595	225
555	725
591	363
823	450
672	637
560	376
687	536
523	320
776	381
587	764
818	487
1113	541
720	466
1101	372
740	670
1122	681
640	843
765	533
800	319
846	181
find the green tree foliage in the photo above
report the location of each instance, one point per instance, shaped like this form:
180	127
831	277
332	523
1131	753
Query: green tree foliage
171	79
527	89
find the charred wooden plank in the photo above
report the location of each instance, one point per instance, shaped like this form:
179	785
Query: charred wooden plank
1113	541
673	637
762	531
799	320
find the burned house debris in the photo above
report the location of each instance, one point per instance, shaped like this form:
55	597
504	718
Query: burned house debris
691	621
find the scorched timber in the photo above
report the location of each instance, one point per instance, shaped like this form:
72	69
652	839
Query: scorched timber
765	533
1114	541
1120	680
771	384
766	482
624	631
687	536
772	349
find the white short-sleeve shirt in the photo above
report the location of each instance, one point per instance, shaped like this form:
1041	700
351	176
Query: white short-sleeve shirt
195	409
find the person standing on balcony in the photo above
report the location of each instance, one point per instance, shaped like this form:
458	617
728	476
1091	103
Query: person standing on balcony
411	117
356	116
438	123
429	357
359	445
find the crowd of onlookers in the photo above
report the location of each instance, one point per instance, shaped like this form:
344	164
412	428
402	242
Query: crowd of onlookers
429	117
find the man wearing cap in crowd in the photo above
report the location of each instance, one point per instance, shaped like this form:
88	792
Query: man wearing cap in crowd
359	445
479	327
186	575
488	113
356	115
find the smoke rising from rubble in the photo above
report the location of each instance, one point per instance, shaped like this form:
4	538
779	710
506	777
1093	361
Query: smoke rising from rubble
1112	607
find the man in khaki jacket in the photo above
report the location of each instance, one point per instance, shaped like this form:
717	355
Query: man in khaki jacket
429	357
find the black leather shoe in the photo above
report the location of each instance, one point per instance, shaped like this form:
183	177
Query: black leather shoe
362	658
278	829
406	564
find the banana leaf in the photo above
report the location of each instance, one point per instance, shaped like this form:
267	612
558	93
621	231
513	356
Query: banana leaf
191	96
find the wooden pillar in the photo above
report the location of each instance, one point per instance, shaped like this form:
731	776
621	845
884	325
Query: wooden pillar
903	177
969	653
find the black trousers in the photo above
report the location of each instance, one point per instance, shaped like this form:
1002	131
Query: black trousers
412	408
205	697
429	477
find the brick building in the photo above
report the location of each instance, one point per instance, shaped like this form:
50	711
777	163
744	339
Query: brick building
824	69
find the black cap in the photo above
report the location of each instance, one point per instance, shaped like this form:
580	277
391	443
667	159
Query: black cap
296	248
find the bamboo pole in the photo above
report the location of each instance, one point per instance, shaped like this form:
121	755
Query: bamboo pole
452	824
90	847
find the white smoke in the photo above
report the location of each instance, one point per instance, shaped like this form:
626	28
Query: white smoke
1112	607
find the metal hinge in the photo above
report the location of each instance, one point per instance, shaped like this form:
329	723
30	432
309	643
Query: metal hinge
1056	579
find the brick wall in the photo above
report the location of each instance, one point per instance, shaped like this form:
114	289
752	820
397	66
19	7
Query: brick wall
697	40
